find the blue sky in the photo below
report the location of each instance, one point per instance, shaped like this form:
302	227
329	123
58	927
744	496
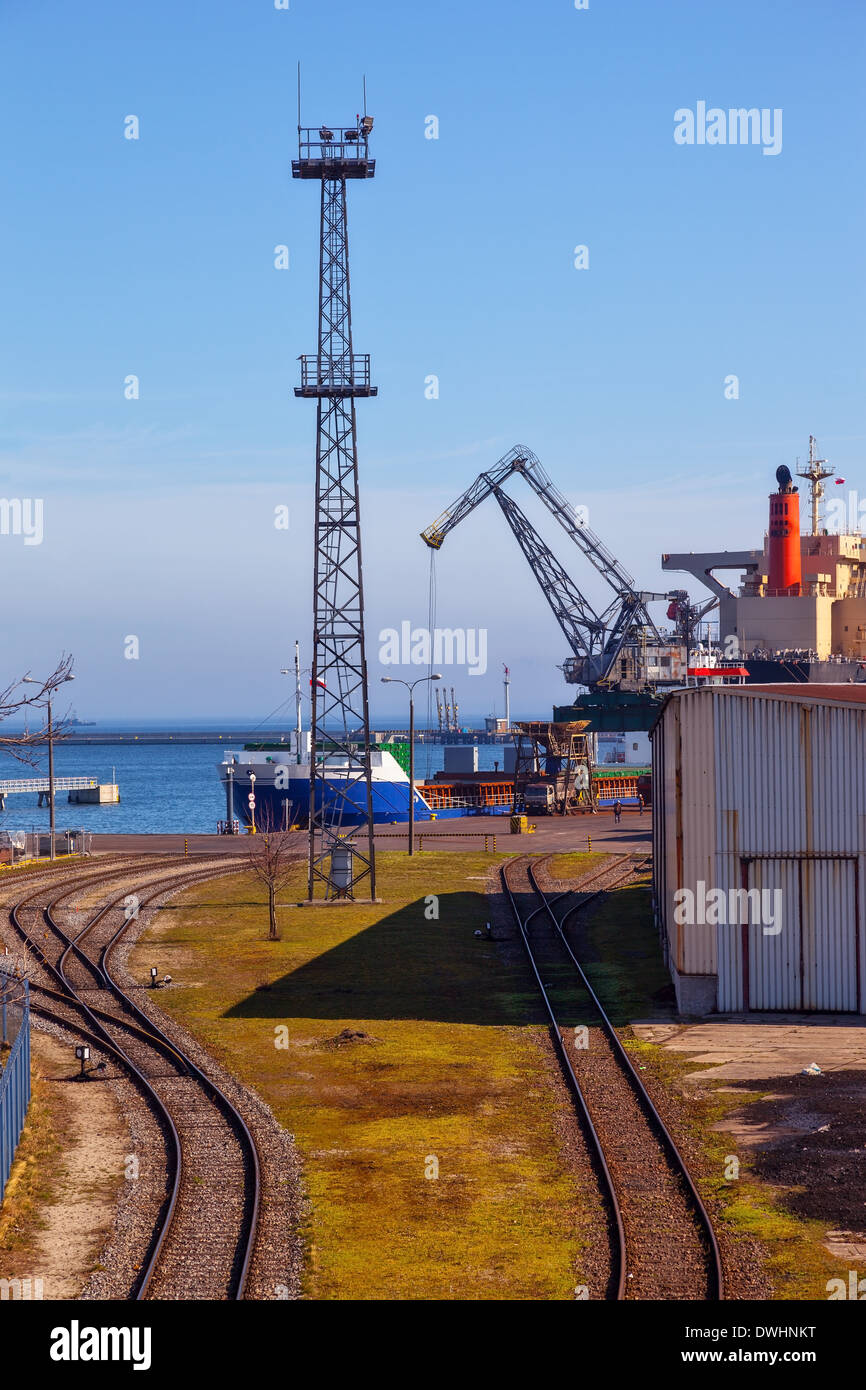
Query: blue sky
155	257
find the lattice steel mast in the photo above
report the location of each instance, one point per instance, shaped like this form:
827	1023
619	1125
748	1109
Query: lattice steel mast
335	376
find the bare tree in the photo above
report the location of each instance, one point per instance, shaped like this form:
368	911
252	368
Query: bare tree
272	856
26	746
20	962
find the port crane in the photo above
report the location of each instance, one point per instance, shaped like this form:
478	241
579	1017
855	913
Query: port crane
597	640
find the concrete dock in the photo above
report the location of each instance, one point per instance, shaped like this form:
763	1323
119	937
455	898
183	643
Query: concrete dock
554	835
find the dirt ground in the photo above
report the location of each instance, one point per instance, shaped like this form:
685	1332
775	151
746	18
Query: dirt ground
60	1244
805	1134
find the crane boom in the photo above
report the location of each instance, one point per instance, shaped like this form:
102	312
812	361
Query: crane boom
598	554
595	639
595	644
515	461
521	460
583	629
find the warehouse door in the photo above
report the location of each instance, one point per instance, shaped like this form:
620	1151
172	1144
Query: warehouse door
829	915
802	952
771	961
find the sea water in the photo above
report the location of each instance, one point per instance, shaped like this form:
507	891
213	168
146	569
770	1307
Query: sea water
164	788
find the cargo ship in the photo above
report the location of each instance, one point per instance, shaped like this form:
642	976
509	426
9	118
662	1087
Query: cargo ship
800	613
277	776
268	783
279	779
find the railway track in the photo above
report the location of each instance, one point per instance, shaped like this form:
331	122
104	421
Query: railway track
662	1241
204	1236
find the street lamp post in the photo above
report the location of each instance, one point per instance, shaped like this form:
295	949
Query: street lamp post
31	680
410	686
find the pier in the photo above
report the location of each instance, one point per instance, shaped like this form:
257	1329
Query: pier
79	789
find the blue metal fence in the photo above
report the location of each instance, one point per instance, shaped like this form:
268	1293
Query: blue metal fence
15	1064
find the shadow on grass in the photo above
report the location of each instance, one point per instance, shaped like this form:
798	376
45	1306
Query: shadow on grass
406	966
618	946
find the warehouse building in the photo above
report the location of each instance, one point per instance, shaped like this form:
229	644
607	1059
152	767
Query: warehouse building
759	847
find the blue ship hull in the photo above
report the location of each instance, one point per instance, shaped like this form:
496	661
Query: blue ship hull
390	804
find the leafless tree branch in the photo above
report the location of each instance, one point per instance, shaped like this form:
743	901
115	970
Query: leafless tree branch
20	697
271	857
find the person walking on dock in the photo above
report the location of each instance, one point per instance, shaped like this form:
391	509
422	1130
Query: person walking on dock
617	811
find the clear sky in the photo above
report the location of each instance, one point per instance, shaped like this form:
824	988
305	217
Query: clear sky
155	257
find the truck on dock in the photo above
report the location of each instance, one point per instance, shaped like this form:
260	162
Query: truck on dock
560	794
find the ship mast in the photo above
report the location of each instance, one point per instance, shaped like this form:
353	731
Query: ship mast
298	726
816	473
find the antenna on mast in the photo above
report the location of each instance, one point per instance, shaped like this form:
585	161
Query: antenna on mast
299	101
816	472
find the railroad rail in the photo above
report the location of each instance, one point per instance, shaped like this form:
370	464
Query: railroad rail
204	1235
663	1245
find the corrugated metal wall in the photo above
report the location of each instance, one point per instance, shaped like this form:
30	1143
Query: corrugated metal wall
768	793
699	776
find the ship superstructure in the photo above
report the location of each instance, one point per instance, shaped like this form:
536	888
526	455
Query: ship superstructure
800	612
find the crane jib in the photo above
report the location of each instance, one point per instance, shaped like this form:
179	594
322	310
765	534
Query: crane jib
596	640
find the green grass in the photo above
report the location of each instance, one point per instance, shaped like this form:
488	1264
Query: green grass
453	1070
621	954
452	1076
569	868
